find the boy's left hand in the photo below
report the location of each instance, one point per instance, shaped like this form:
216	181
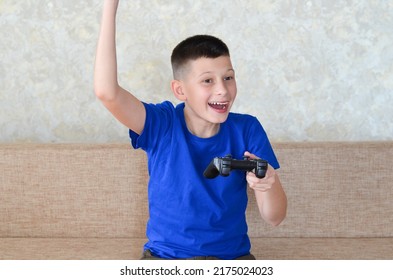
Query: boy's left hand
263	184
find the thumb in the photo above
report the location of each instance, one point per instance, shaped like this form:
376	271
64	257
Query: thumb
250	155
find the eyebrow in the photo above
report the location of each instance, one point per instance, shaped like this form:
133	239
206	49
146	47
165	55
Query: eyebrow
208	72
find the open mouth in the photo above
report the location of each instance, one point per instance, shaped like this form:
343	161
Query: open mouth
220	106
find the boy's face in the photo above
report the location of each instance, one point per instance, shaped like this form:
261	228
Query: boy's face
208	88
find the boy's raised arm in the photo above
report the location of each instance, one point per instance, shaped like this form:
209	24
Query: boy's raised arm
121	103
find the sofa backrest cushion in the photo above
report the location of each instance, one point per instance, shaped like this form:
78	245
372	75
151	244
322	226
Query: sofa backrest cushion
100	190
334	190
72	190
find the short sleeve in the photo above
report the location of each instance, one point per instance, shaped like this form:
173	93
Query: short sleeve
157	125
260	145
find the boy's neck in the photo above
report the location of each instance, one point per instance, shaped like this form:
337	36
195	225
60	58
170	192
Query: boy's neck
201	128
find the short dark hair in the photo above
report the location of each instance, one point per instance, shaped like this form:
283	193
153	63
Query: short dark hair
196	47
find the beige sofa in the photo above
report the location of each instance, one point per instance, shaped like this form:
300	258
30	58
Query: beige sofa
89	201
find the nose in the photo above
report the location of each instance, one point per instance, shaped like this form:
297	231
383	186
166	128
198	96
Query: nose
221	88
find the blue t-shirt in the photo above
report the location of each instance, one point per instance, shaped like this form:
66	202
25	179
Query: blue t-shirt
190	215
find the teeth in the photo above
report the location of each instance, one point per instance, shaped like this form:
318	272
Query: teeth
219	103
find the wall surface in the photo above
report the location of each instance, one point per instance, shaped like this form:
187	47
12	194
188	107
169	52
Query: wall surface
309	70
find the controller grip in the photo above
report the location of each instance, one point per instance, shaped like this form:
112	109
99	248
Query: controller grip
261	168
211	171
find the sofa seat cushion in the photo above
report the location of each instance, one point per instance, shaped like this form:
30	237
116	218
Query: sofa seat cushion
322	248
131	248
71	248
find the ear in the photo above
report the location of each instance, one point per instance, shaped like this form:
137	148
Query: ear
177	89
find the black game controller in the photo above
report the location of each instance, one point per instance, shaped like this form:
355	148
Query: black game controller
223	166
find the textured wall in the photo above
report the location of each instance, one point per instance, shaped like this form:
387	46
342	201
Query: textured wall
309	70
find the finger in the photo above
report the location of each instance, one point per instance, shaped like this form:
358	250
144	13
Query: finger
252	178
263	184
256	183
260	187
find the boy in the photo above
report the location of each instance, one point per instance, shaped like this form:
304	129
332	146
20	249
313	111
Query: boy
191	216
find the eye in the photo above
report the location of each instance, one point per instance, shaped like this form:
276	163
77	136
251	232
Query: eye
228	78
208	81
